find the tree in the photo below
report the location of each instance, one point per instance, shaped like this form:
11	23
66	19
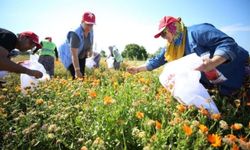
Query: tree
157	52
134	51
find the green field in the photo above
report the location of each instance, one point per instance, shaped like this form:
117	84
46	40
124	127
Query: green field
115	110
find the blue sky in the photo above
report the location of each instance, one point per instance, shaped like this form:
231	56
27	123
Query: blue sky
121	22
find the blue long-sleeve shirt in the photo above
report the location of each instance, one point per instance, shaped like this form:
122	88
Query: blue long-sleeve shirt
205	38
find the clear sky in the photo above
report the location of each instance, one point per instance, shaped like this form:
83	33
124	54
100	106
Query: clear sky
121	22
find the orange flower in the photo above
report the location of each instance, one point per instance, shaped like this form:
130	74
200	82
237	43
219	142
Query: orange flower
214	139
84	148
157	124
203	111
39	101
139	115
181	108
203	128
107	100
236	126
188	130
235	147
216	116
92	94
231	137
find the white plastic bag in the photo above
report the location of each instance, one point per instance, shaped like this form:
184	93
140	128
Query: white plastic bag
3	74
90	63
180	78
30	81
110	62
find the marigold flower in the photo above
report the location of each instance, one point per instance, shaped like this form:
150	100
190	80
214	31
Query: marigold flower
204	111
139	115
231	137
181	108
203	128
108	100
188	130
235	147
236	126
214	139
92	94
157	124
39	101
216	116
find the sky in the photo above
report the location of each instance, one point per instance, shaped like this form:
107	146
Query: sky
122	22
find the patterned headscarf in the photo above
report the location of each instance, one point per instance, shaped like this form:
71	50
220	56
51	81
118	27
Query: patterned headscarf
176	48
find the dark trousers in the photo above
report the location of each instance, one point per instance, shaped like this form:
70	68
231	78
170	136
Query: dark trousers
82	67
48	63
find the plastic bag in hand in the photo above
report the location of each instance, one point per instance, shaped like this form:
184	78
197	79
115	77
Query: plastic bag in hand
30	81
180	78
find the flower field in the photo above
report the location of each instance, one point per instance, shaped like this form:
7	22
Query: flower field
112	109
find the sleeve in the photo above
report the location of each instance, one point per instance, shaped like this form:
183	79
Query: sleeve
73	40
156	61
214	39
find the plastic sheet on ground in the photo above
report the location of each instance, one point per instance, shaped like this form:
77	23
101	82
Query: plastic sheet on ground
180	78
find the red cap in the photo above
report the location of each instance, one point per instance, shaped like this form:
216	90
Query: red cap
88	18
164	22
33	37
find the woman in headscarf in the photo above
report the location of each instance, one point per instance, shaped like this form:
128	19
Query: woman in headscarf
225	54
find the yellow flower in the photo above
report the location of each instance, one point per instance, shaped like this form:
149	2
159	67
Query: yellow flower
188	131
139	115
216	116
181	108
18	89
203	128
214	139
108	100
236	126
39	101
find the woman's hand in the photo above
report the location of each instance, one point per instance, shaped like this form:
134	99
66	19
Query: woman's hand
135	70
78	73
210	63
132	70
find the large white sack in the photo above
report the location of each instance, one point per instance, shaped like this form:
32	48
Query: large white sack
110	62
30	81
180	78
90	63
